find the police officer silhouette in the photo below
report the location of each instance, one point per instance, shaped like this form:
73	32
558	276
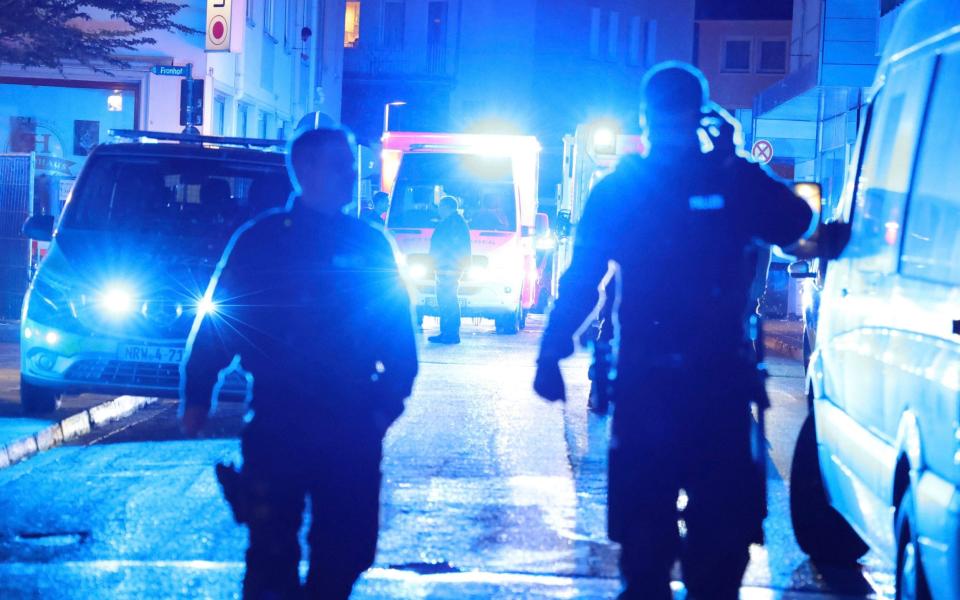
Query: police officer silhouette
310	303
680	228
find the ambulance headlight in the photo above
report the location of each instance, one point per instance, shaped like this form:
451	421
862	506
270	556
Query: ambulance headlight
605	140
546	243
416	271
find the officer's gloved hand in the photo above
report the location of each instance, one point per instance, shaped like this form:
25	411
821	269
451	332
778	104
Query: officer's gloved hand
548	383
193	419
723	130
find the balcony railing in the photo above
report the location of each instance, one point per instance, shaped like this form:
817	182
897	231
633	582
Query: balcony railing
387	64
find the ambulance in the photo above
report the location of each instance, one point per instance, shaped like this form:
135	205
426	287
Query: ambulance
494	177
591	153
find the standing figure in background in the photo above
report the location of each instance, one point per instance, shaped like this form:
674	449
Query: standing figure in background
451	252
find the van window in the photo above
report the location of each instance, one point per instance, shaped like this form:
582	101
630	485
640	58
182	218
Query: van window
931	248
482	184
182	195
888	162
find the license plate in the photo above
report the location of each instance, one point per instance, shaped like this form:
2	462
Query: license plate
151	354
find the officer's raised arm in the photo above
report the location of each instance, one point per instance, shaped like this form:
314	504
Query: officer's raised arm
780	217
579	294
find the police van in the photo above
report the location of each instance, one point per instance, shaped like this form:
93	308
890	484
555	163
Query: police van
877	463
111	305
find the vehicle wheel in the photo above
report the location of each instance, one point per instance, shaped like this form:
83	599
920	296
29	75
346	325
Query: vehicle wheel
911	582
35	399
820	530
508	324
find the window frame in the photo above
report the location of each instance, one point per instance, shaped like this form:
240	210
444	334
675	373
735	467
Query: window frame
723	58
932	88
355	43
383	25
786	55
270	20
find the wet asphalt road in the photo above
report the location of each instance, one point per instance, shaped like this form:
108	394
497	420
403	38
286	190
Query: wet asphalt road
488	493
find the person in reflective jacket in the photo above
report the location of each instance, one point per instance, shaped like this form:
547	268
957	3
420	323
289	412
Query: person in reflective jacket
450	251
679	230
310	304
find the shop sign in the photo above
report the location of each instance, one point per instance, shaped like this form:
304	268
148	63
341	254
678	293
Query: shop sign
221	35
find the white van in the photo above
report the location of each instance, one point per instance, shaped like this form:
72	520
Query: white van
878	461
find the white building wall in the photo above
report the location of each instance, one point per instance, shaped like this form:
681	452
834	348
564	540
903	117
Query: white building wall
267	74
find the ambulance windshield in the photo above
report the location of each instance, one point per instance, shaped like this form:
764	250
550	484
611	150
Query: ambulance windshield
482	184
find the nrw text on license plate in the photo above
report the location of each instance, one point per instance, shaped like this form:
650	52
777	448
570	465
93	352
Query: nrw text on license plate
147	353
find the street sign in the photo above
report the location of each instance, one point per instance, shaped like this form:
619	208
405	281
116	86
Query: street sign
175	71
762	151
191	102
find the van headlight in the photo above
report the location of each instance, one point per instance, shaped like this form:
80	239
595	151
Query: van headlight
116	301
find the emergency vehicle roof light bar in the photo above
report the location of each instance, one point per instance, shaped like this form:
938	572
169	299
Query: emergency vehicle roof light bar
135	135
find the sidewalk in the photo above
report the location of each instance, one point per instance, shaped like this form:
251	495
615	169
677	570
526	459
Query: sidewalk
9	331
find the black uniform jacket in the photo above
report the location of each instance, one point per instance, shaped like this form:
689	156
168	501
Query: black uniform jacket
680	229
314	308
450	245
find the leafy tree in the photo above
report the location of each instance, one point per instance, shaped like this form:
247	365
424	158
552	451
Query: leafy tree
45	33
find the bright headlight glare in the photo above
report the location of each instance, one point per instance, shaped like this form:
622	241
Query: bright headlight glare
52	338
604	139
417	271
545	243
206	306
116	301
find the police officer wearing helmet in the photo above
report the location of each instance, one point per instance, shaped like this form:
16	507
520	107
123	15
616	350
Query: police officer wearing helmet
326	333
679	229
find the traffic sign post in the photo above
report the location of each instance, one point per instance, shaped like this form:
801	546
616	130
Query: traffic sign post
762	151
191	104
191	95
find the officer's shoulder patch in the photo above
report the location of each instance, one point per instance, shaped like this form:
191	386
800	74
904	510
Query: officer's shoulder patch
708	202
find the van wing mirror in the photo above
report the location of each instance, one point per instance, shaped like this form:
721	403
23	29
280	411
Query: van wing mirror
800	270
39	227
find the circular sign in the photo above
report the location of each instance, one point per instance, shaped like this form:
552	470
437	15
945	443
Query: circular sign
762	151
217	30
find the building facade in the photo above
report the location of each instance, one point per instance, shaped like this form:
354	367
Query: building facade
529	66
282	67
813	115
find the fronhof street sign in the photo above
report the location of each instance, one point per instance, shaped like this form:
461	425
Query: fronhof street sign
762	151
175	71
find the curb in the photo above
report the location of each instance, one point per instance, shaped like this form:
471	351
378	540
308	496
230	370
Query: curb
71	428
783	346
